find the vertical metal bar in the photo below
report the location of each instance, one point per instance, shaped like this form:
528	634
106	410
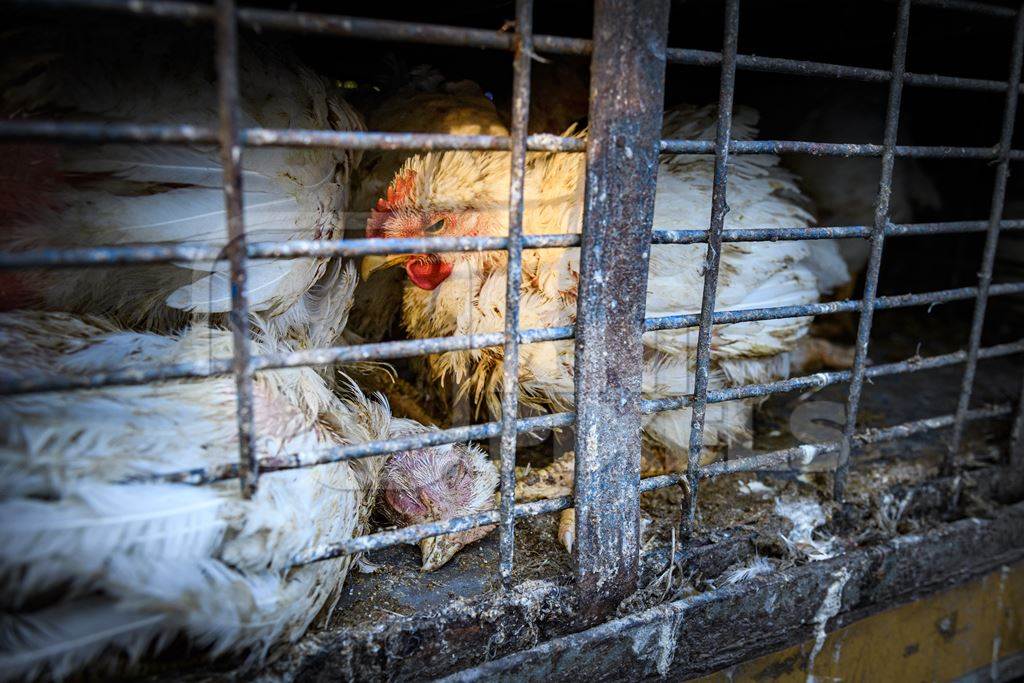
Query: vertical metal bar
867	308
991	241
1017	432
510	364
719	207
231	158
627	85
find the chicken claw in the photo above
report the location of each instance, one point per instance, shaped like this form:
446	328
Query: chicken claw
567	528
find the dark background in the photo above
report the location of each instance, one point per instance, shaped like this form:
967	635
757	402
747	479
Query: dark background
856	33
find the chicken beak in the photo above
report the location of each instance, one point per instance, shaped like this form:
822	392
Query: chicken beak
437	550
374	262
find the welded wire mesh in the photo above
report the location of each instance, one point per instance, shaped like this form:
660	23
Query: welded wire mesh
234	138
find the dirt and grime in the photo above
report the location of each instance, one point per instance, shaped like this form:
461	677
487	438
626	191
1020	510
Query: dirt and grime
745	503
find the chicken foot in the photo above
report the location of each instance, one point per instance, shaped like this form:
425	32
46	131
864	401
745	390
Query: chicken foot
813	354
556	480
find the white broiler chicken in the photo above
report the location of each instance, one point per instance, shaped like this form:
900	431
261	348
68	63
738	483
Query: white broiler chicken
463	193
426	103
95	195
96	566
844	191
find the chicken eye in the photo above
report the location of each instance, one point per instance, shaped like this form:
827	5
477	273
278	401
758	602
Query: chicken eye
453	474
434	228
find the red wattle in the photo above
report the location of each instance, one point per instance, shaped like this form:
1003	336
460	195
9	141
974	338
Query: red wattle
427	271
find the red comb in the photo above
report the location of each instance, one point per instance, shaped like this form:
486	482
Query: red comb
398	192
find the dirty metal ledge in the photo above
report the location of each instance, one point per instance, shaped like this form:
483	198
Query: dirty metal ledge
714	630
495	625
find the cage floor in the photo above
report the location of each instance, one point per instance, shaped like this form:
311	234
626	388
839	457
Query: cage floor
397	588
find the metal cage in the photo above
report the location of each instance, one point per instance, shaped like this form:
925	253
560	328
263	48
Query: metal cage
628	55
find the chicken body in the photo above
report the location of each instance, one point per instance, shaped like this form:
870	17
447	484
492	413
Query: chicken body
460	193
94	563
845	191
99	195
425	104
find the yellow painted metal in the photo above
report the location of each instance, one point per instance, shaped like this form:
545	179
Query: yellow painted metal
965	631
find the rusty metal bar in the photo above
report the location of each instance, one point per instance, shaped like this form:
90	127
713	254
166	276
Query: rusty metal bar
426	439
514	279
824	379
798	67
462	36
834	149
101	132
488	430
892	121
676	322
627	80
417	532
184	134
414	347
991	241
719	208
270	137
354	248
1016	451
797	456
825	233
231	159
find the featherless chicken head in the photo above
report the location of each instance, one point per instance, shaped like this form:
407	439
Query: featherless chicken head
439	483
434	195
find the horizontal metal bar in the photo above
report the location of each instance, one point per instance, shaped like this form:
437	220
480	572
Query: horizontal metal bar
325	24
798	67
179	134
824	379
112	255
104	132
463	36
117	378
828	233
676	322
414	347
417	532
267	137
291	461
489	430
834	149
798	455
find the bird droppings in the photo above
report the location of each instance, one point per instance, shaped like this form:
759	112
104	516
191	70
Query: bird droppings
659	638
829	608
754	488
409	619
805	516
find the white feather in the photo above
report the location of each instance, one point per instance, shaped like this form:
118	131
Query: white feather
58	641
76	536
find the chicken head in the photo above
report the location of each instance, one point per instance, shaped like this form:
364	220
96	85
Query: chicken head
426	199
438	483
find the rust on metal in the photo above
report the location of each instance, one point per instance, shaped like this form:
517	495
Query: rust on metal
231	159
627	78
712	259
988	258
873	268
